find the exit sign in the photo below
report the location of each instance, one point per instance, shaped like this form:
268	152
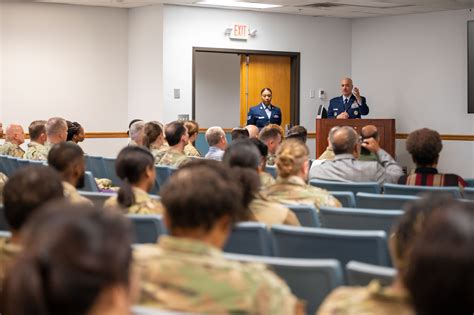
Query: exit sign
240	31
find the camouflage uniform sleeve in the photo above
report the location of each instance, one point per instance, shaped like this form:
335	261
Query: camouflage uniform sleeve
339	302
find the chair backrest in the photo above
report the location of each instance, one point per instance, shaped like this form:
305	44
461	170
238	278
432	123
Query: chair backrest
306	213
360	274
358	219
23	163
370	187
383	201
163	172
343	245
14	165
98	198
346	198
395	189
250	238
147	227
89	183
272	170
5	234
469	181
95	165
310	280
143	310
4	166
3	220
109	164
37	163
468	193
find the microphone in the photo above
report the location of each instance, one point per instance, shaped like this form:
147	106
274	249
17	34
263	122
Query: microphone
322	113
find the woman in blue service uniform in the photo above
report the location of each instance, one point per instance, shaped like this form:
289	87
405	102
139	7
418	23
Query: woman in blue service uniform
264	113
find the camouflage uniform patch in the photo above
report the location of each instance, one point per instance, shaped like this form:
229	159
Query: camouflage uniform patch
190	150
71	194
270	212
271	159
173	158
144	204
36	151
12	149
266	180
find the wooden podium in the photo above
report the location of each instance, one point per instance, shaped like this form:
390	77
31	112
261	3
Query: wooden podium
386	129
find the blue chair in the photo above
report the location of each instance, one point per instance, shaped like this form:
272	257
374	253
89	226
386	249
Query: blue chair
470	181
382	201
310	280
4	167
250	238
395	189
272	170
95	165
163	172
306	213
370	187
109	164
97	198
14	165
23	163
359	219
3	220
360	274
343	245
468	193
89	183
346	198
37	163
147	227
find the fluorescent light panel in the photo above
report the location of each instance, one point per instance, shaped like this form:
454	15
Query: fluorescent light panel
238	4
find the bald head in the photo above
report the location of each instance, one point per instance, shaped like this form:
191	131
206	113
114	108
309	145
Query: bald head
346	87
343	140
253	131
369	131
15	134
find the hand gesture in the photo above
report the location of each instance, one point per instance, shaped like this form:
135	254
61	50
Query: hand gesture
371	144
343	115
357	95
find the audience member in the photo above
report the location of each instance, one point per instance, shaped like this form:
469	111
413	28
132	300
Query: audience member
68	159
244	155
24	193
186	271
76	261
440	276
75	132
271	135
328	154
193	132
297	132
266	179
239	133
135	166
36	149
394	299
136	133
424	145
369	131
14	137
153	139
253	131
291	185
177	137
217	141
346	167
56	131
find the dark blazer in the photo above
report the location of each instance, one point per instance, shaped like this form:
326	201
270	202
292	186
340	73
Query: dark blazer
258	116
336	106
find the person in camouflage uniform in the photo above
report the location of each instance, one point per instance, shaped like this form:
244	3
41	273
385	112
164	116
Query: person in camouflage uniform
68	159
271	135
24	194
291	186
187	271
177	137
193	132
56	131
135	167
266	179
394	299
136	133
36	149
14	137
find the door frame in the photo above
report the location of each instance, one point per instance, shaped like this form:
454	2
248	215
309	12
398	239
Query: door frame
295	75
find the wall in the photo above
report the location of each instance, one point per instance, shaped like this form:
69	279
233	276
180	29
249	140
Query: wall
325	46
217	89
69	61
145	81
414	68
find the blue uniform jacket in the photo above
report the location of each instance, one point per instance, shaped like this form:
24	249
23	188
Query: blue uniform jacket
258	116
336	106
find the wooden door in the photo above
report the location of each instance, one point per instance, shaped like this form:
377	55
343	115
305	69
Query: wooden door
260	71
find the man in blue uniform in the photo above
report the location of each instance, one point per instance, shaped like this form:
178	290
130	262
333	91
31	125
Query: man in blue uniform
264	113
350	104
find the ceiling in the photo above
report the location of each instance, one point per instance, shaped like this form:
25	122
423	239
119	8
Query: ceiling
328	8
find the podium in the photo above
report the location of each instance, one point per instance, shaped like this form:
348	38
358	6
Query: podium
386	129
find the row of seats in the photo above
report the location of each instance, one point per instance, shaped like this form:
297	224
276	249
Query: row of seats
9	164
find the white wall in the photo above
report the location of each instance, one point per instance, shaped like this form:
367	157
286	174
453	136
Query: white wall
217	89
145	80
414	68
325	46
69	61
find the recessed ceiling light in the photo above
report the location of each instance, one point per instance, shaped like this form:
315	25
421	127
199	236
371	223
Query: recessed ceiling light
238	4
